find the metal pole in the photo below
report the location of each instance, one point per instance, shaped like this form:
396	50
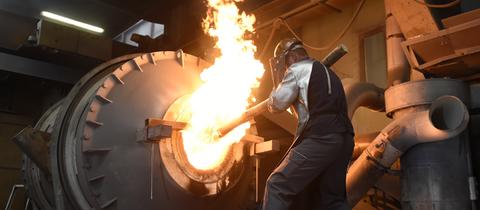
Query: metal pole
12	195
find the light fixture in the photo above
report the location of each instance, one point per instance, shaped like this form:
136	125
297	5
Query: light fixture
72	22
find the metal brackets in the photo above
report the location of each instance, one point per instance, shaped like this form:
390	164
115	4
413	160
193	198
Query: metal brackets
265	147
35	144
179	56
157	129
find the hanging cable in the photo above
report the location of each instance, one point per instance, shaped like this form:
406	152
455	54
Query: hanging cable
439	6
280	21
276	25
329	45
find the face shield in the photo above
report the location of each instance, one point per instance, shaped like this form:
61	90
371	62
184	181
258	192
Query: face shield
279	64
277	69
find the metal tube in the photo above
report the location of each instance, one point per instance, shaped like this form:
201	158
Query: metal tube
398	69
364	94
335	55
8	206
245	117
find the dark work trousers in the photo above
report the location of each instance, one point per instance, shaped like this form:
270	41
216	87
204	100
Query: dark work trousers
321	161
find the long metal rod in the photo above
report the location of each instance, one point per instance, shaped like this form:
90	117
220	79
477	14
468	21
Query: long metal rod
245	117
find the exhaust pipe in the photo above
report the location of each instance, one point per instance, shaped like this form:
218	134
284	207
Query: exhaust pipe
397	65
363	94
446	118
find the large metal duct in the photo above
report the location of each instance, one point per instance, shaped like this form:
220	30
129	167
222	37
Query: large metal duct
424	111
434	175
99	162
397	64
363	94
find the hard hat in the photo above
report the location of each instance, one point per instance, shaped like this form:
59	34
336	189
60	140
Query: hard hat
287	45
278	64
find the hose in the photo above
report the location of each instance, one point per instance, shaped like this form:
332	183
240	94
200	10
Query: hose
280	21
342	33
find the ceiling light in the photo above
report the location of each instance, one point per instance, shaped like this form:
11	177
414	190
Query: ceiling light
72	22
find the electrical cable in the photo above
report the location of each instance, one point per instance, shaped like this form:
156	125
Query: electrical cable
280	21
276	25
329	45
439	6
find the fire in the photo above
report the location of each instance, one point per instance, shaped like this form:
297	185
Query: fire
227	86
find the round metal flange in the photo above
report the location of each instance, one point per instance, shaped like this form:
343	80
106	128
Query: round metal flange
64	198
100	162
422	92
39	186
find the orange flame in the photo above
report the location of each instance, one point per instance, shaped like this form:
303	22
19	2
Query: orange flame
226	89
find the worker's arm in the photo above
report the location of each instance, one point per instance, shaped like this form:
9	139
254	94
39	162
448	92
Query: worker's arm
285	94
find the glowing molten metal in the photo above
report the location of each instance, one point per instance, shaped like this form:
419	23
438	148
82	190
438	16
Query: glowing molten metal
227	86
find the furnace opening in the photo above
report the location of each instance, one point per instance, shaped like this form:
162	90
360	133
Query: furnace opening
194	155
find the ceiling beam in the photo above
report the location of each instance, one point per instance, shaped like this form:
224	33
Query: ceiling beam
36	68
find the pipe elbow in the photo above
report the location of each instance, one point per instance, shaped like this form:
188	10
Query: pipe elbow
446	118
364	94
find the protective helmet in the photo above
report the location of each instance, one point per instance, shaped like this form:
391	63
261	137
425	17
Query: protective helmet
287	45
278	64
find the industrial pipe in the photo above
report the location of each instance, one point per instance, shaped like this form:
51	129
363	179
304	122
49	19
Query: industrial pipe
262	107
398	69
361	143
364	94
446	117
335	55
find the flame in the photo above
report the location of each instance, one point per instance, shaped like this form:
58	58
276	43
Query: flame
227	86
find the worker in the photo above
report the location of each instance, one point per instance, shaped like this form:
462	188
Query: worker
323	142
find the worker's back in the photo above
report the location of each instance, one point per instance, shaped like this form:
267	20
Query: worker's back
327	107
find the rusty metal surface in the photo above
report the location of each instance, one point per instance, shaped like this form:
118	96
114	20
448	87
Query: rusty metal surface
34	144
38	184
